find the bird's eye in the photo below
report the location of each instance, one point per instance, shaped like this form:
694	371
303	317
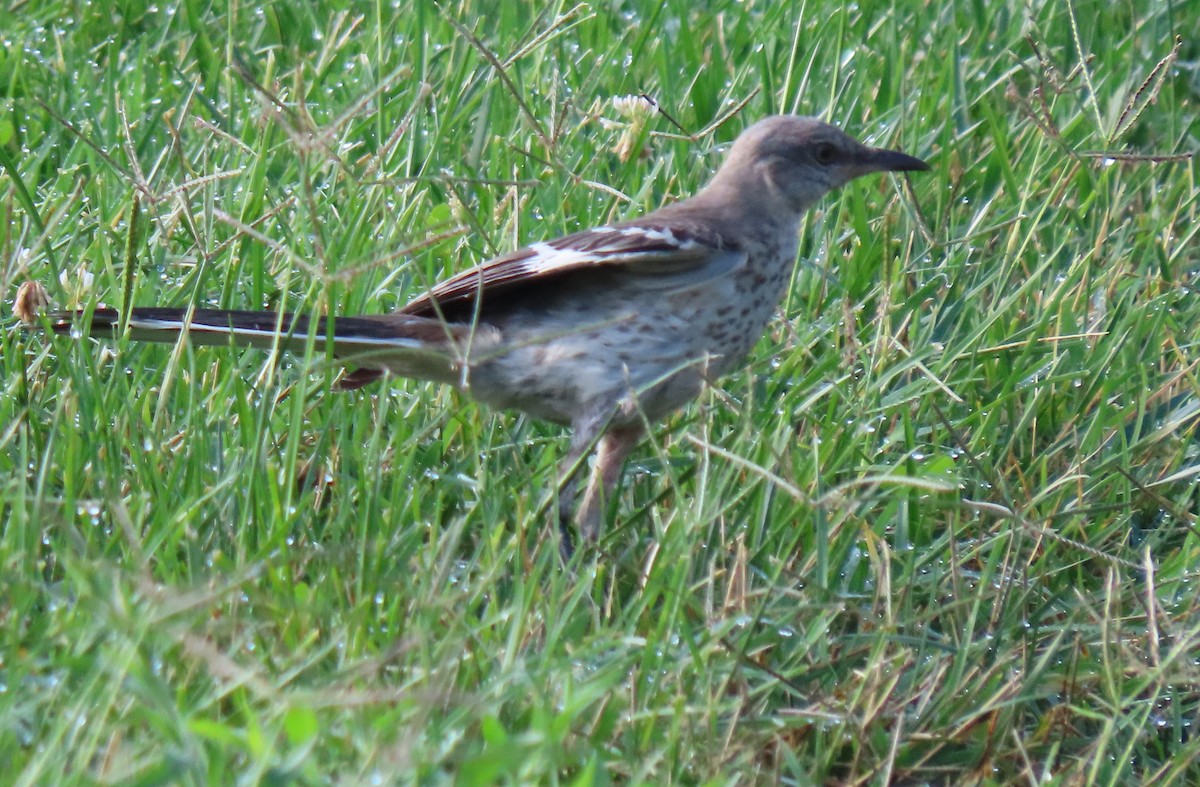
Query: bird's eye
824	153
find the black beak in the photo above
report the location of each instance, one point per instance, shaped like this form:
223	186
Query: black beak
883	160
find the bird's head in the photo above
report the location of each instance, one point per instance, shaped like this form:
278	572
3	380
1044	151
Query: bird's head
800	159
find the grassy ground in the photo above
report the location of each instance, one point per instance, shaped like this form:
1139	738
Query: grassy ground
940	529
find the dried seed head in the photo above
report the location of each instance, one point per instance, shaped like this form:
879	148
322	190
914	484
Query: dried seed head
32	299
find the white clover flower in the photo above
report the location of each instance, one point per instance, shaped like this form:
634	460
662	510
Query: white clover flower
635	112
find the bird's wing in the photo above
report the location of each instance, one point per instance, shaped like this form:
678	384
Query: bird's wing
666	258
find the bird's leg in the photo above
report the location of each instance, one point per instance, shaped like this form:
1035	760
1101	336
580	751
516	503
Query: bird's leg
614	447
584	437
566	501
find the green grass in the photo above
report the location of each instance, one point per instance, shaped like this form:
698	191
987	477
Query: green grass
941	529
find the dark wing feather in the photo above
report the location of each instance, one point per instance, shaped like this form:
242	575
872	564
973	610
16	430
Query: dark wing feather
669	257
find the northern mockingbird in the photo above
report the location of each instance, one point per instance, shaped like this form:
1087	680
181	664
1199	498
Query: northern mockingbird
604	330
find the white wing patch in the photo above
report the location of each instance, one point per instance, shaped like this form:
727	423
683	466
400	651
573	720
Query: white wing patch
663	235
631	240
547	258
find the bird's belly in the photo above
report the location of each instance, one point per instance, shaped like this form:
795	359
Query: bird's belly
646	359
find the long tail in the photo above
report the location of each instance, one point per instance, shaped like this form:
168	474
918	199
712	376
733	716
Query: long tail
407	345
